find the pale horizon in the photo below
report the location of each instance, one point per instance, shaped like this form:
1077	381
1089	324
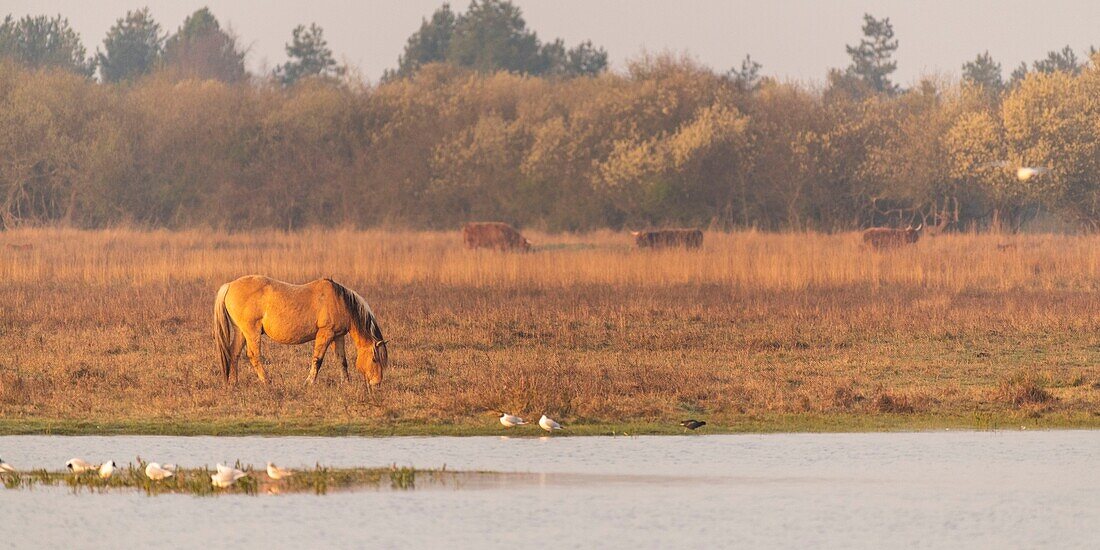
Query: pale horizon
794	40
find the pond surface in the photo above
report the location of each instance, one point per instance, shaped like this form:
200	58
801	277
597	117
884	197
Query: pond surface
925	490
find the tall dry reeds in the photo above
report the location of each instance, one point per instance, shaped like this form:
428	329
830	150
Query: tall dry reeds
745	261
116	324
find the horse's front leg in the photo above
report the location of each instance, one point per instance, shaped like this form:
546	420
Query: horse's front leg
342	354
320	346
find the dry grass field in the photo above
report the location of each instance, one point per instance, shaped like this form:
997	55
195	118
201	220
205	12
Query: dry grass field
111	331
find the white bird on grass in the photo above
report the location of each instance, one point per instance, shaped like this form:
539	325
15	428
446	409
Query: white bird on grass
511	420
226	476
78	466
6	468
107	469
275	472
548	424
156	472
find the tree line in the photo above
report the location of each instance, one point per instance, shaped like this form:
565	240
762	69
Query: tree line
481	119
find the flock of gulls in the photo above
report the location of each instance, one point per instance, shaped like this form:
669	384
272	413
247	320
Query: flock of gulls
225	477
546	423
511	421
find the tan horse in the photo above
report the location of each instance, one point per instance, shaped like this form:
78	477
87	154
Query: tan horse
323	311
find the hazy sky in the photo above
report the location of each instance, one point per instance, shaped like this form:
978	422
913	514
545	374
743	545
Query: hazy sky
794	39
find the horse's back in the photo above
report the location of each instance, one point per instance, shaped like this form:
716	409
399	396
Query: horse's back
249	292
289	313
250	284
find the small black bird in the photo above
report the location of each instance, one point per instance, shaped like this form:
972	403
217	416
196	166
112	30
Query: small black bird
693	424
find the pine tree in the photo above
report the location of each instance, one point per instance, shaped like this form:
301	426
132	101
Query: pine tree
201	49
747	78
41	41
429	44
1059	61
309	55
493	36
984	72
1063	60
586	60
872	59
132	47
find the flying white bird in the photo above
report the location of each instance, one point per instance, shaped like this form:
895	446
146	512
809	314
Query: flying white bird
156	472
1025	173
107	469
548	424
226	476
511	421
78	466
6	468
275	472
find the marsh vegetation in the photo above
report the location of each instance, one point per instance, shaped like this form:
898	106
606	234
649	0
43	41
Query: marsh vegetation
196	481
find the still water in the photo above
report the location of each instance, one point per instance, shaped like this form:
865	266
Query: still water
897	490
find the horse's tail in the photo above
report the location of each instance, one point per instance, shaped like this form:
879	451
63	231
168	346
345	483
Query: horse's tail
223	331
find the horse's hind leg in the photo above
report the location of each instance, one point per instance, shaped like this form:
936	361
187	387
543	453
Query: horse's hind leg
252	341
235	356
342	354
320	346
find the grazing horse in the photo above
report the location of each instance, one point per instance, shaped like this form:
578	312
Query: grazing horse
323	311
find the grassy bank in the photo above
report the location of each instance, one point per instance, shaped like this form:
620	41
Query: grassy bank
109	332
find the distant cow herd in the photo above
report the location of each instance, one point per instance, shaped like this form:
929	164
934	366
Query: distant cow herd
503	237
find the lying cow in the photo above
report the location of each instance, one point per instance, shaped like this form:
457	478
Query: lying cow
495	235
888	237
668	238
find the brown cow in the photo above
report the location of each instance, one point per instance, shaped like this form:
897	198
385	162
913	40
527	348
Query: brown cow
668	238
888	237
495	235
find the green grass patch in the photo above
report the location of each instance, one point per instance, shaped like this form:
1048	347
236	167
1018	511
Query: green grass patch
196	481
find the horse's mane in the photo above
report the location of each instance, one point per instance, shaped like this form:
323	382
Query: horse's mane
361	313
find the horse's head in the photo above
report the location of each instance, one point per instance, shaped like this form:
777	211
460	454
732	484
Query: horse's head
373	364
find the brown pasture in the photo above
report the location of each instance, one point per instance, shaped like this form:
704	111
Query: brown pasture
116	325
